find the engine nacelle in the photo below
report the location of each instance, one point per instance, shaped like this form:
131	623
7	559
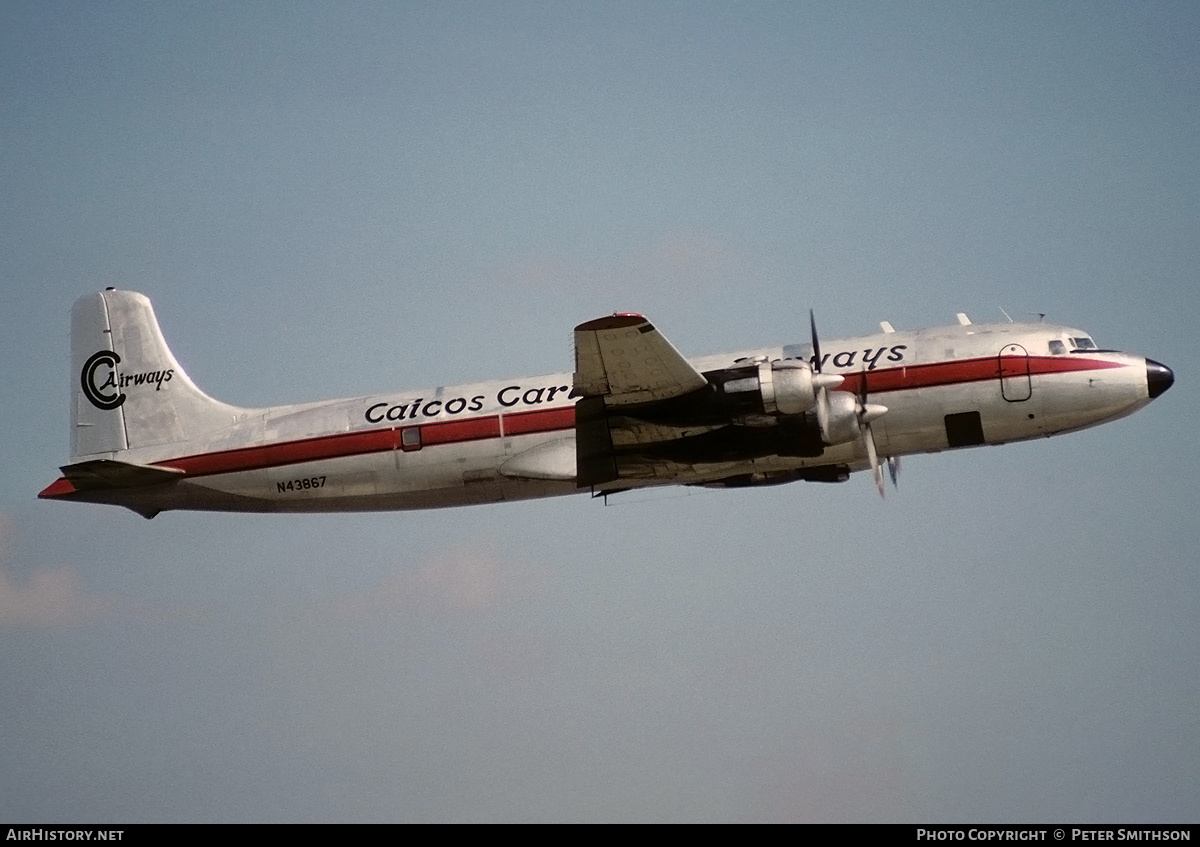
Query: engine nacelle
843	418
848	420
787	387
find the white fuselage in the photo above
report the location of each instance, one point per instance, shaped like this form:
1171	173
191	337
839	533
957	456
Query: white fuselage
514	439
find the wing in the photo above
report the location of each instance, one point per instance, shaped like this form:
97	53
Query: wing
623	367
646	415
625	360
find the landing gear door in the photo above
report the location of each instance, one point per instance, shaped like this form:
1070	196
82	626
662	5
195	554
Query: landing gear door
1015	385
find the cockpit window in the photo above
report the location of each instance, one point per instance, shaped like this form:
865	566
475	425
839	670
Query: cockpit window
1083	343
1057	348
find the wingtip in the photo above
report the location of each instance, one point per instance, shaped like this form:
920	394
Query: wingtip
613	321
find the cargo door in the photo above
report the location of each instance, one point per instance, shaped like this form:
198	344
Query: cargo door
1015	385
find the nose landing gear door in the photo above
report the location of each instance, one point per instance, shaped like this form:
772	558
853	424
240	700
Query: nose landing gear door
1015	384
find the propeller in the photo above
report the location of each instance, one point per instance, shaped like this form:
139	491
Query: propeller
868	412
821	382
864	412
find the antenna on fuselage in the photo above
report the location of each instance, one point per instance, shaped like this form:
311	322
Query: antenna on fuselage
1010	320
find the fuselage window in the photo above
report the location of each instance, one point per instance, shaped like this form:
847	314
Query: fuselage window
410	439
1057	348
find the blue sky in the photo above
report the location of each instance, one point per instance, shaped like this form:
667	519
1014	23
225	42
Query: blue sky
331	199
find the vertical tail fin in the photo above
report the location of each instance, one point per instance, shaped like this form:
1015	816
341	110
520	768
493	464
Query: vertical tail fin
128	391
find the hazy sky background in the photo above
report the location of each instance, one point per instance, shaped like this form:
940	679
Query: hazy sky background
339	198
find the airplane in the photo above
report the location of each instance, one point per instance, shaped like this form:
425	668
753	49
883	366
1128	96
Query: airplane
634	413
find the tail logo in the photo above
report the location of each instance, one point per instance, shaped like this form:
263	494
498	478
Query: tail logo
95	393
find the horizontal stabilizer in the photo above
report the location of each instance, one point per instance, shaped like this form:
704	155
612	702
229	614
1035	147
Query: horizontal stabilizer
106	473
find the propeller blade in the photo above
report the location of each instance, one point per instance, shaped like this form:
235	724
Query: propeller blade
816	344
823	383
873	458
893	463
823	413
868	412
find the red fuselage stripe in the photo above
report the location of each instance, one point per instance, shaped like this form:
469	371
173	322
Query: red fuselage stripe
374	441
963	371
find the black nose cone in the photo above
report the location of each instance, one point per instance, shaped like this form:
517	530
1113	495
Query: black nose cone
1158	378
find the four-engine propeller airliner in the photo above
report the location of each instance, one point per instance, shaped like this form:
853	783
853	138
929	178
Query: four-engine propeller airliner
634	413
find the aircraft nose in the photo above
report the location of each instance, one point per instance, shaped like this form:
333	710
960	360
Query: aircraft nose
1158	377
